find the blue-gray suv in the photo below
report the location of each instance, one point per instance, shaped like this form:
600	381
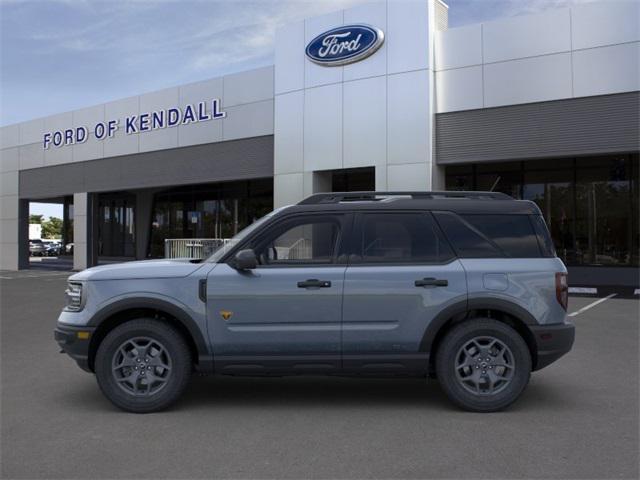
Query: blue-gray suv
461	286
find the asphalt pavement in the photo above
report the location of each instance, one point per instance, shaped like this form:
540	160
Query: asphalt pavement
577	419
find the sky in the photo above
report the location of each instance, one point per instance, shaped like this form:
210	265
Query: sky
61	55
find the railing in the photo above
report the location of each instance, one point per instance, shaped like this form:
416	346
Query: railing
299	250
192	247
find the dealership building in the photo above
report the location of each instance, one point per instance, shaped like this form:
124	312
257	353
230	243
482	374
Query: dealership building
381	96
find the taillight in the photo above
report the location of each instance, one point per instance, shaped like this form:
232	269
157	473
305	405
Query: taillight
562	289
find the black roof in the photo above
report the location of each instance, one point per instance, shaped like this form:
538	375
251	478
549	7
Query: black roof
453	201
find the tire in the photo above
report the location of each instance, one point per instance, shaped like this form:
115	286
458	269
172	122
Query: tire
129	348
483	384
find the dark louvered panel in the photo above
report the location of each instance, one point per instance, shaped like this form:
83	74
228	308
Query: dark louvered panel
214	162
580	126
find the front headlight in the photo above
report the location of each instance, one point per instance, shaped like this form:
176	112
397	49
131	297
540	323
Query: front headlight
73	295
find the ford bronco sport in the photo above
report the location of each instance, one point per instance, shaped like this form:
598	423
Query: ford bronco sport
461	286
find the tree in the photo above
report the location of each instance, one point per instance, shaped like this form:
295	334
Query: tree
36	219
52	228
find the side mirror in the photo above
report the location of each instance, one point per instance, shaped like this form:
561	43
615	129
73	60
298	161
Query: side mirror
245	260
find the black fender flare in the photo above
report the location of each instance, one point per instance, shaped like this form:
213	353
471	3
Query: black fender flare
205	359
463	307
512	308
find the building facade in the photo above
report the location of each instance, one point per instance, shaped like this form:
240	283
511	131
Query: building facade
543	107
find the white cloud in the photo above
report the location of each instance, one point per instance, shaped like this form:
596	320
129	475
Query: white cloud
92	51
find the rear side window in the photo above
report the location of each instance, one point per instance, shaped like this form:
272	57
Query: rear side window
401	238
544	237
467	240
482	236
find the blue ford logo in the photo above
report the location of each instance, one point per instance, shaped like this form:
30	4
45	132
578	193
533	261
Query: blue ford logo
343	45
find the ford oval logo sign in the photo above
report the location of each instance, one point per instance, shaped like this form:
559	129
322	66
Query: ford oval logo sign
343	45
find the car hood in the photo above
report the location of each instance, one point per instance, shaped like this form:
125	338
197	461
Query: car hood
179	267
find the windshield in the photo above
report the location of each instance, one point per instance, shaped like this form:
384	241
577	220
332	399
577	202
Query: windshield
241	235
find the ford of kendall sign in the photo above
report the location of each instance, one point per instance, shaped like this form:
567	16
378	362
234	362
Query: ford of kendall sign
140	123
343	45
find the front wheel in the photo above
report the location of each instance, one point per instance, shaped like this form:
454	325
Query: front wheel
143	365
483	365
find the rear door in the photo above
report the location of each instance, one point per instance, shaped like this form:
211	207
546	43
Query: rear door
401	274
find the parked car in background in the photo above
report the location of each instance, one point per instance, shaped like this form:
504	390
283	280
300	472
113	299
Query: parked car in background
53	248
462	286
68	248
37	248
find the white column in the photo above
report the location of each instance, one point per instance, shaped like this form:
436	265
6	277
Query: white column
375	113
9	209
316	182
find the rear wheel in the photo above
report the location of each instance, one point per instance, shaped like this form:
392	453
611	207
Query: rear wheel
143	365
483	365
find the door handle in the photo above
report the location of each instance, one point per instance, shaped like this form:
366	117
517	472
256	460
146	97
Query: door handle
314	283
431	282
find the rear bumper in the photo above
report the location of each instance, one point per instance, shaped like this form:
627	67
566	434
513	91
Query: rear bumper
552	342
73	345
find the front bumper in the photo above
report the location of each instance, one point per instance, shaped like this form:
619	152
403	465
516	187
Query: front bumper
75	341
552	341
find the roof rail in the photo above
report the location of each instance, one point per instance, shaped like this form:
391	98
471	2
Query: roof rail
337	197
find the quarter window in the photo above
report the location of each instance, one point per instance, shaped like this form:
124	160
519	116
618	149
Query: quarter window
513	234
490	236
401	238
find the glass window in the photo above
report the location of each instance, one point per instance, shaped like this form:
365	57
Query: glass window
500	177
306	241
240	236
634	165
402	237
603	211
467	240
544	239
353	180
552	191
459	177
589	203
490	236
209	211
513	234
116	225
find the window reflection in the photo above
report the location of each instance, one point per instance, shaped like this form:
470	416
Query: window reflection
552	191
590	204
208	211
116	225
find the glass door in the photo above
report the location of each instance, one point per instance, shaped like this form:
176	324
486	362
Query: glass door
116	225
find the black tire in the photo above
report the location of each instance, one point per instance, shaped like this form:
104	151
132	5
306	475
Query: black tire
450	352
175	379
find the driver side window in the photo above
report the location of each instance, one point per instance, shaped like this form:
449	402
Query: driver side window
302	242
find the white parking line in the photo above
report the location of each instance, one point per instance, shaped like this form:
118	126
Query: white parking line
593	291
591	305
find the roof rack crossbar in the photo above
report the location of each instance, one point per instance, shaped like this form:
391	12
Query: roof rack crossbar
337	197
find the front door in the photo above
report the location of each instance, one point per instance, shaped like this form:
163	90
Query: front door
402	273
286	314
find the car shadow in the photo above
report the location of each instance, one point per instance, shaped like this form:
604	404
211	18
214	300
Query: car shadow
315	392
310	391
